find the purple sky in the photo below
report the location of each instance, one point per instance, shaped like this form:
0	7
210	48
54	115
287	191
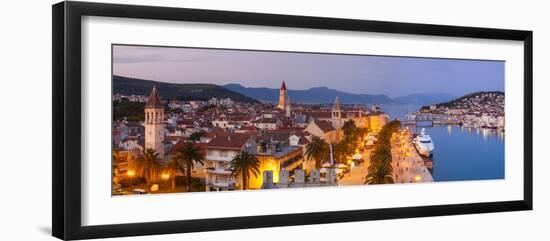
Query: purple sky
394	76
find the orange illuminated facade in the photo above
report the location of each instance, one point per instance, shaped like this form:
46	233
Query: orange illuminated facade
274	161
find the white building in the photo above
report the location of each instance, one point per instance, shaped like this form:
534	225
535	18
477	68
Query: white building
219	152
267	123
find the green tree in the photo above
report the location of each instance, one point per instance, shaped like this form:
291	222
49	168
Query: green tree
148	165
189	155
341	151
380	174
318	150
244	165
132	111
196	136
382	153
174	168
349	128
380	168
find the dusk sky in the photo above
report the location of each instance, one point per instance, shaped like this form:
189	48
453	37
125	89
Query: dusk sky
393	76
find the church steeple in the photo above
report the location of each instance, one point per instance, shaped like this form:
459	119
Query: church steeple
336	105
154	99
283	98
336	113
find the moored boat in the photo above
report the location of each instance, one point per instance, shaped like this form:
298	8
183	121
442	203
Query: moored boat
424	144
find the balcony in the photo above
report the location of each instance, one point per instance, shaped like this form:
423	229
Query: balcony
219	158
221	183
223	171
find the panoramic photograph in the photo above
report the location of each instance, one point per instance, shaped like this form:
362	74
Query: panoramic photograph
205	120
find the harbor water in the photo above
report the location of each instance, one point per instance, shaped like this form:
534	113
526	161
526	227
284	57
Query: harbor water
461	153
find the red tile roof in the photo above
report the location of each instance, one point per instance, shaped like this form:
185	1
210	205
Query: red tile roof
324	126
320	114
233	141
181	143
303	141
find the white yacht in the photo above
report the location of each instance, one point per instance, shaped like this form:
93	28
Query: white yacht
424	144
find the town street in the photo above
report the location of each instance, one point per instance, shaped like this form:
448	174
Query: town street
357	174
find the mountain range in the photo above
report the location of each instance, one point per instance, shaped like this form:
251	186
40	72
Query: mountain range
317	95
320	95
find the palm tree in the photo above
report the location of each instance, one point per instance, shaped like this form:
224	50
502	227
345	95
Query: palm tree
318	150
243	165
196	136
341	150
189	155
381	173
174	168
116	158
148	165
349	128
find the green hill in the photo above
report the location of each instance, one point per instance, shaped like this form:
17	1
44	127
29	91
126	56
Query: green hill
484	100
131	86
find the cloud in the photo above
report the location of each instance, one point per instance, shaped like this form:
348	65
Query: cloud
135	54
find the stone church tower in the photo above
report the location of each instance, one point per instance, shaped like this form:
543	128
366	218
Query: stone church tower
283	98
336	112
336	119
154	123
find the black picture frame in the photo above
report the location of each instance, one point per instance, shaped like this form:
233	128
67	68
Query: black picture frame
66	158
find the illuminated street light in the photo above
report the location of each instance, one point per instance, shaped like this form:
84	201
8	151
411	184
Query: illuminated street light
417	178
165	176
131	173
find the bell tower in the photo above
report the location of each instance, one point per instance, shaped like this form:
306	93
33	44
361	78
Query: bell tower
336	113
154	123
336	119
282	97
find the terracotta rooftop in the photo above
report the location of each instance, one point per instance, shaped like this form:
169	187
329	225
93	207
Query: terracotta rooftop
320	114
181	143
303	141
266	120
232	141
324	126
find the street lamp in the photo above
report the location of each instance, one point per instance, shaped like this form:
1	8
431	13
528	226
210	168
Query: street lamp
417	178
130	173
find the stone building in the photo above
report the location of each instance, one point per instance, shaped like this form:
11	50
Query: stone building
154	123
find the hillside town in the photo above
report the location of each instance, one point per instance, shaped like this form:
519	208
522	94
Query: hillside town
480	110
221	144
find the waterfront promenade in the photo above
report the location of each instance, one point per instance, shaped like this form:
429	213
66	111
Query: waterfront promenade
408	166
356	175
